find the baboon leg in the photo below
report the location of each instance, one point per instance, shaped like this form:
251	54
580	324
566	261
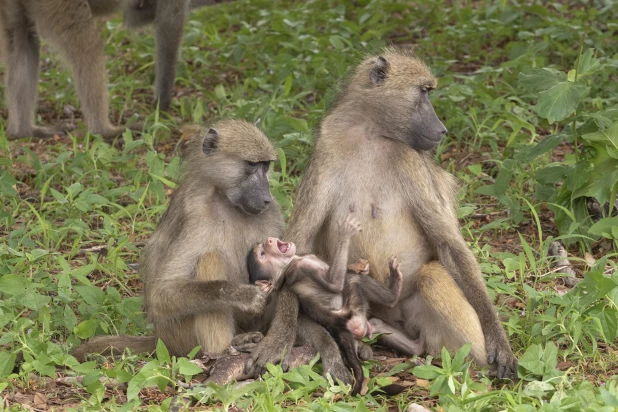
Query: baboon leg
169	24
396	339
309	332
439	310
214	330
364	351
374	291
20	44
73	32
179	337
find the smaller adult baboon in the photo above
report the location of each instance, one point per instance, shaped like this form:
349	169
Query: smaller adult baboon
331	296
68	25
374	149
196	289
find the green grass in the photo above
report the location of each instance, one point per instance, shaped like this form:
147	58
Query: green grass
528	93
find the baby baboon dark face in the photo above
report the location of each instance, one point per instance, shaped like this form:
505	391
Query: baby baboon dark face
266	260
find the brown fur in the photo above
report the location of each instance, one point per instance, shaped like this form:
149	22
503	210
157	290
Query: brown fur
196	289
69	26
373	150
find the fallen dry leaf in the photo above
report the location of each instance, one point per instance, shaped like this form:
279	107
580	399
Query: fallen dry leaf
590	259
423	383
40	401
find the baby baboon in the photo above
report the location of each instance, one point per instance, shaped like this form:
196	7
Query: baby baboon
196	289
69	26
334	298
374	149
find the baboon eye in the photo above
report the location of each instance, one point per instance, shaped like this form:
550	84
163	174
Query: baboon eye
424	89
252	164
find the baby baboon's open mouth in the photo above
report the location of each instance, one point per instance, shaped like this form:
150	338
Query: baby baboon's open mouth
283	246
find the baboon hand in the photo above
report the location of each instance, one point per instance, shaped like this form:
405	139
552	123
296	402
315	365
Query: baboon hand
500	356
350	226
334	366
360	267
249	299
245	342
265	286
266	352
396	278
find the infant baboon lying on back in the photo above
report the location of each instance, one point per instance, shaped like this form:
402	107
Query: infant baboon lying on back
336	299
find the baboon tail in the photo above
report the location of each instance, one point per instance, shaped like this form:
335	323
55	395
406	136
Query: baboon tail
194	4
109	345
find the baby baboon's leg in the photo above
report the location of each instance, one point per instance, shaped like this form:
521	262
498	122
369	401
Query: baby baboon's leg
439	310
169	24
214	330
309	332
396	339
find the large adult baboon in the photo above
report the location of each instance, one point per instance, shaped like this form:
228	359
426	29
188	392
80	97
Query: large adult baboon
373	150
69	26
196	284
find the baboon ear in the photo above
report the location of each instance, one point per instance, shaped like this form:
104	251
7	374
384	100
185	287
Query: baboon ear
210	142
379	71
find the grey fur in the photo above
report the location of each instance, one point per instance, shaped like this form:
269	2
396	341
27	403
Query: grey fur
372	150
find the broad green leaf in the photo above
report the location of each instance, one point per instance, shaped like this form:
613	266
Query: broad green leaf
220	91
13	284
531	360
601	228
460	356
287	86
86	329
538	388
7	181
44	368
587	64
428	372
7	363
609	135
162	353
550	357
536	80
560	101
533	151
135	385
35	301
188	368
609	322
92	295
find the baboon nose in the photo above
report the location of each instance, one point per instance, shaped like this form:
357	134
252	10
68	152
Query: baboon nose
444	131
267	201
